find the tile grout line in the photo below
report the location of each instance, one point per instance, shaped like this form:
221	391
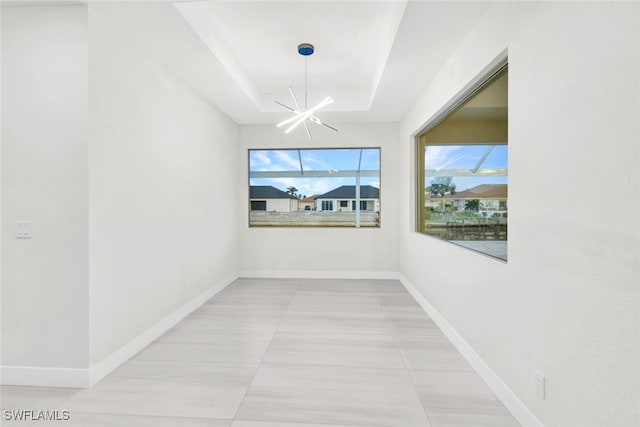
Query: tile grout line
296	423
235	415
406	367
123	414
261	362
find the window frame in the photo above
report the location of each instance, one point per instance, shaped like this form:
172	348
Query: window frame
484	78
327	205
377	223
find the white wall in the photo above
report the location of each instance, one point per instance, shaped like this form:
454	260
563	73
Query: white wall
281	205
164	216
567	301
278	251
44	180
1	234
141	184
120	167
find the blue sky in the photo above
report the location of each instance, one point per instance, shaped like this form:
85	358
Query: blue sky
441	157
316	159
444	157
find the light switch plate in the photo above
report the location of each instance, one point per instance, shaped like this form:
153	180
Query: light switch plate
24	229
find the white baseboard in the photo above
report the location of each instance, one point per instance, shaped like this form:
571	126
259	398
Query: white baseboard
45	377
302	274
84	378
517	408
133	347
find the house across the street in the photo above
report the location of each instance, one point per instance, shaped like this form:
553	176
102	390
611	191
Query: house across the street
308	203
343	199
269	199
490	199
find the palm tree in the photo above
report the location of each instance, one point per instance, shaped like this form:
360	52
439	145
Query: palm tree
292	190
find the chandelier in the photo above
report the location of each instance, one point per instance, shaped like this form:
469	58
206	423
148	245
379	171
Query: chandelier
300	115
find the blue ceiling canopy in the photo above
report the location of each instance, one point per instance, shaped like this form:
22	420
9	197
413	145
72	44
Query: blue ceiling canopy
305	49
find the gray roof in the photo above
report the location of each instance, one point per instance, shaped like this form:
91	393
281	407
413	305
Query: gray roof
267	192
482	191
349	192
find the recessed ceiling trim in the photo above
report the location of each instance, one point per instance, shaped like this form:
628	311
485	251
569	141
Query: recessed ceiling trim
424	39
353	41
196	14
393	24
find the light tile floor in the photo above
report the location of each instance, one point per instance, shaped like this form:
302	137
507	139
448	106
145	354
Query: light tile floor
288	353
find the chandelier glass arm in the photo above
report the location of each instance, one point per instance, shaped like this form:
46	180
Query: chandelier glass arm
307	114
295	102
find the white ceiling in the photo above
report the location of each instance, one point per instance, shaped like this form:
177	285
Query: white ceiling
373	57
258	41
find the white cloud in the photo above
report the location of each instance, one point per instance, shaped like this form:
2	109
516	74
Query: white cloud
259	158
438	156
319	186
323	165
287	159
284	183
273	161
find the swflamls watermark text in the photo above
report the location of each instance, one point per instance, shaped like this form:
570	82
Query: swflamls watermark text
35	415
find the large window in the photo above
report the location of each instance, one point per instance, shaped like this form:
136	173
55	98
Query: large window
314	187
462	172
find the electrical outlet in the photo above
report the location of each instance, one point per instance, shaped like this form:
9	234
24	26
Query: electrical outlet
540	383
24	229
